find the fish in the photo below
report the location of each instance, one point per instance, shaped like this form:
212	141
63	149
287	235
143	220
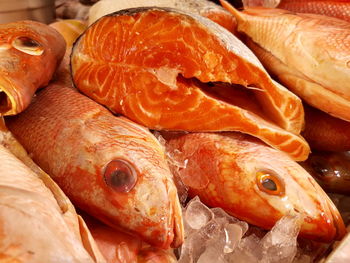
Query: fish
175	74
70	29
24	44
204	8
331	170
334	8
252	182
307	53
108	166
330	134
120	247
33	227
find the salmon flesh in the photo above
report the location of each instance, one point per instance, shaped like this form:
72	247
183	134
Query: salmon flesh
168	69
30	53
108	166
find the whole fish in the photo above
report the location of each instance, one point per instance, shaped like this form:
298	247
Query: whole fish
108	166
168	75
335	8
309	54
30	53
33	226
253	182
329	133
331	170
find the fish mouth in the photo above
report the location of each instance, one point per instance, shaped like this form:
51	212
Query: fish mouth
338	223
178	227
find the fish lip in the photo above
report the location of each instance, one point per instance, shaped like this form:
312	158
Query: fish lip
178	226
338	223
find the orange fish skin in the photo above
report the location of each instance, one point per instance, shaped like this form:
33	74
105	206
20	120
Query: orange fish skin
30	53
310	55
224	170
152	81
335	8
324	132
74	140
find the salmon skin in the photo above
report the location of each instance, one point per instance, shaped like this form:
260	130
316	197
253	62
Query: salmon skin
335	8
308	53
30	53
331	170
253	182
108	166
33	226
159	75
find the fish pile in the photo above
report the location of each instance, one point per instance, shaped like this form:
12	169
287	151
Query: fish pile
171	128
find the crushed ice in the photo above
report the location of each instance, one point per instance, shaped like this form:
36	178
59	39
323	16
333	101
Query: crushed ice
211	235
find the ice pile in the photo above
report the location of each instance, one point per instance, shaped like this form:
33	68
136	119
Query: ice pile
211	235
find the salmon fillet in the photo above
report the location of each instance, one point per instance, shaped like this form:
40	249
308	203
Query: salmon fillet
155	66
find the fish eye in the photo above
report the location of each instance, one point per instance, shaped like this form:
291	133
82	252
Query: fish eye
28	45
320	166
120	176
270	183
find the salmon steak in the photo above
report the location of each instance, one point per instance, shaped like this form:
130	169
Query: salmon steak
30	53
234	171
110	167
172	70
335	8
307	53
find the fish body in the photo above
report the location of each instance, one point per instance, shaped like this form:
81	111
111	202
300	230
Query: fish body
33	226
70	29
331	170
24	44
329	133
308	53
335	8
108	166
161	76
253	182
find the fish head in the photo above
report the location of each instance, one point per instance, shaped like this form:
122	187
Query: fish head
22	45
285	187
126	182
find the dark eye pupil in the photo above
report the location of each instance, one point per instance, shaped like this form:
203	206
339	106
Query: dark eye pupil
269	184
119	178
28	42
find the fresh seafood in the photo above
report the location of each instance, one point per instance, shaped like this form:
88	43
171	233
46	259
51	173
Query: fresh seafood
110	167
162	76
324	132
119	247
335	8
310	56
30	53
33	226
253	182
331	170
70	29
201	7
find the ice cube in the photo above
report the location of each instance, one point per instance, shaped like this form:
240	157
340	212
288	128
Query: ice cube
233	235
210	255
197	215
280	244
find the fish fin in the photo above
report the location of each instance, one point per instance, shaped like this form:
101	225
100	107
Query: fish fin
230	8
89	242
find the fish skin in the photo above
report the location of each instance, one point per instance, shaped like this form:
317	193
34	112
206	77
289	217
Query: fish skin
331	170
19	79
160	92
221	168
73	139
335	8
310	56
33	227
330	133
